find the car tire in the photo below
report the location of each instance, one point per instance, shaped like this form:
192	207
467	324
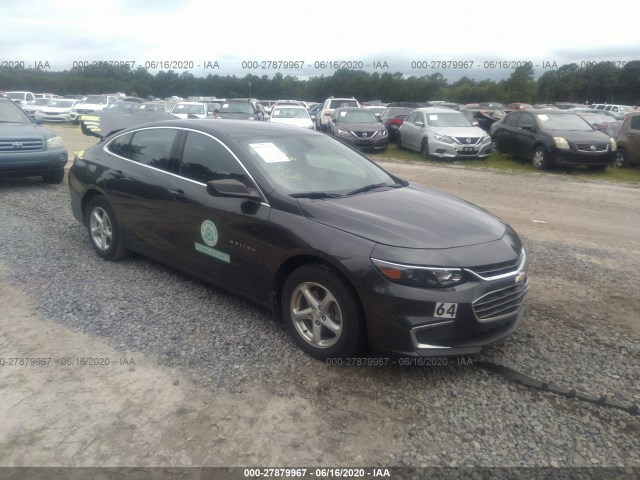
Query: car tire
323	316
540	159
424	149
103	228
495	146
621	159
54	176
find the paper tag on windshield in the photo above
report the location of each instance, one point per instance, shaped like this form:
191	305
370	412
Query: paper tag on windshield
269	152
543	118
342	114
433	117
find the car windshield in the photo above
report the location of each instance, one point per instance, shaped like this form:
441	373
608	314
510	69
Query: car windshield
236	107
152	107
313	164
342	103
447	119
289	113
558	121
11	113
189	109
15	95
40	101
357	116
62	103
95	99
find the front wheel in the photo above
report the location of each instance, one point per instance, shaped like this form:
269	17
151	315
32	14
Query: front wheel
103	229
424	149
540	158
621	160
321	312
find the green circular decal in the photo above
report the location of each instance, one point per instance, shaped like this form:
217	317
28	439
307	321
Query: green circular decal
209	233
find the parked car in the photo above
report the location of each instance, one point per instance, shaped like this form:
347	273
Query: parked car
360	128
241	109
549	137
323	118
395	114
518	106
91	103
193	110
20	98
608	113
35	106
443	133
628	141
345	253
291	114
612	108
59	110
28	149
313	111
483	117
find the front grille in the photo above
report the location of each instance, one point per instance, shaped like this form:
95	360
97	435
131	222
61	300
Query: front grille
495	269
463	140
17	145
84	110
365	134
500	303
586	147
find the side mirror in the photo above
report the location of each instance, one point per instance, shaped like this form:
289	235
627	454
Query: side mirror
230	187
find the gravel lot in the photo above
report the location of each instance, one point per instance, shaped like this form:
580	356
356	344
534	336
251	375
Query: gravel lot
199	377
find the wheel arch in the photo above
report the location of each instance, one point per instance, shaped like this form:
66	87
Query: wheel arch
86	199
298	261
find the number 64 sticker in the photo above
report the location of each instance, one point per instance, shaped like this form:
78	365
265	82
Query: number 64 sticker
446	310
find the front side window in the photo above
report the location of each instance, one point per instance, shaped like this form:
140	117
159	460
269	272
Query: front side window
149	147
205	159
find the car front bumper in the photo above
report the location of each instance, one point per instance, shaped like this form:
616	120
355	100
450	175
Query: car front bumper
403	320
571	157
32	163
374	143
449	150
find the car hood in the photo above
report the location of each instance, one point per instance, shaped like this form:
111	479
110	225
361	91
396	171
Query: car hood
459	131
56	109
411	217
580	137
22	130
235	116
361	127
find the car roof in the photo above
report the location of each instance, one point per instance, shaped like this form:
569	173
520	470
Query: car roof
436	110
231	128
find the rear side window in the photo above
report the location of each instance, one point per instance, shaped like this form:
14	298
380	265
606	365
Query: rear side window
205	159
149	147
635	122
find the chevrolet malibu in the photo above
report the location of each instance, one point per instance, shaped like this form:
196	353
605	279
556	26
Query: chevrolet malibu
345	253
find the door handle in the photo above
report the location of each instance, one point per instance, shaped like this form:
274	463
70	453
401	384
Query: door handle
178	195
117	174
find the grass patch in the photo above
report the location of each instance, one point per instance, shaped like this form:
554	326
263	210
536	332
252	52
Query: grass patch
498	161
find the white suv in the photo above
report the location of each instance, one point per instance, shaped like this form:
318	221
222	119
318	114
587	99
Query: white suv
323	118
91	103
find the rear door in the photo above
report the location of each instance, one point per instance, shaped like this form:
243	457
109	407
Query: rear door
220	239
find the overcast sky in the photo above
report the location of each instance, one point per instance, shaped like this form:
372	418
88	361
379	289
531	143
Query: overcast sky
395	32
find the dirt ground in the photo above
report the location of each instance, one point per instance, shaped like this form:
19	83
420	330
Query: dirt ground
135	412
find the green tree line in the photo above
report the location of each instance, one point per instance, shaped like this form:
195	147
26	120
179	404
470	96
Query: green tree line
600	82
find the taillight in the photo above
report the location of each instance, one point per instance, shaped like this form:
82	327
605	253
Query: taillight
396	121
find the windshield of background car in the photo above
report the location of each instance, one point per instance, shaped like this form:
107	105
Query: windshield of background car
357	116
236	107
289	113
40	102
11	113
343	103
312	163
62	103
15	95
551	121
188	109
94	99
447	119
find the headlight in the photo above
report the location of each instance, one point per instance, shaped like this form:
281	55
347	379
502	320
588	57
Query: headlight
342	132
54	142
383	132
561	143
417	276
614	145
444	138
486	139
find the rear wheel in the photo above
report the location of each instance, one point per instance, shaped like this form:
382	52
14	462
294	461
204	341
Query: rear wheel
540	158
54	176
321	313
103	229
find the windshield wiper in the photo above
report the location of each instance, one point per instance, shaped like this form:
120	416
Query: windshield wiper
373	186
315	195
